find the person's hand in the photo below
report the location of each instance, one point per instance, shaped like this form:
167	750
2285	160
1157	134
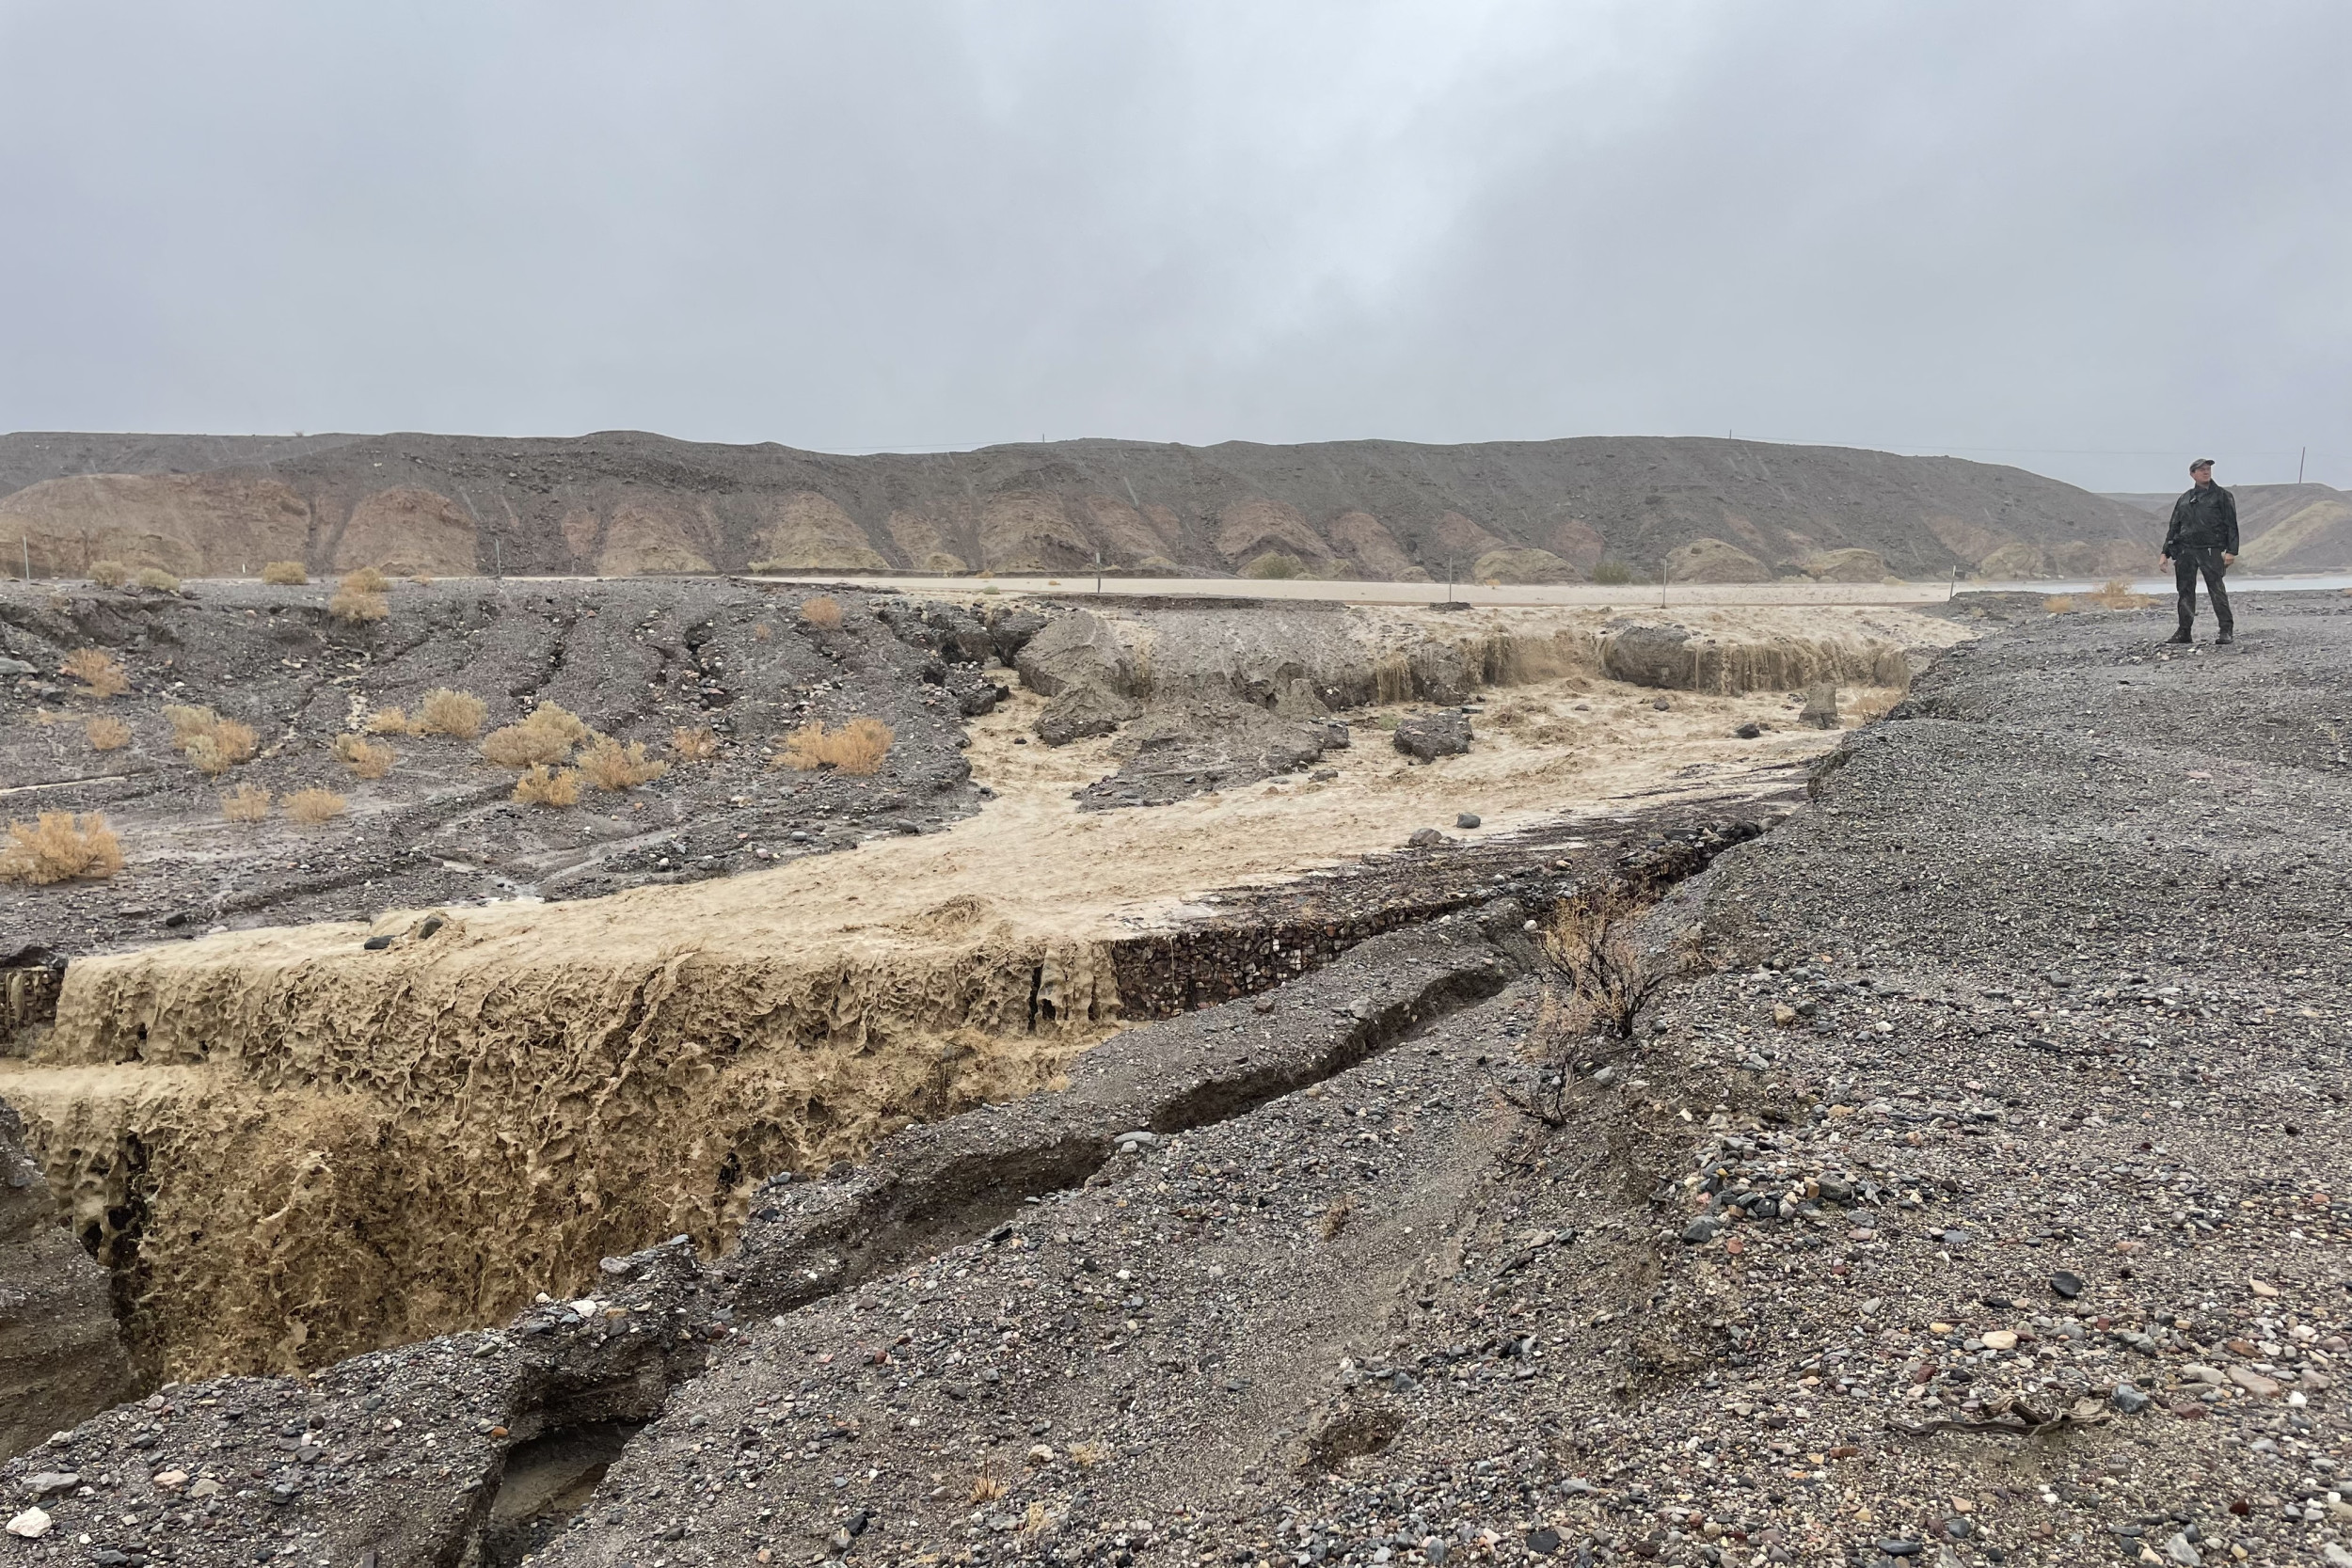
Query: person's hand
2228	559
2162	562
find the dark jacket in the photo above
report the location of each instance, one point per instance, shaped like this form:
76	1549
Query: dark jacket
2203	519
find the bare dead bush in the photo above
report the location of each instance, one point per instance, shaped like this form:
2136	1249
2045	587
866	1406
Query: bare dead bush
366	580
107	735
2059	604
699	744
389	721
357	605
823	612
1596	980
367	759
452	713
1336	1214
761	631
60	846
285	574
985	1487
245	803
542	785
611	765
857	746
158	578
312	807
109	574
100	675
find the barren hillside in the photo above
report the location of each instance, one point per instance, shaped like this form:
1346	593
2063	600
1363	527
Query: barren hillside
622	503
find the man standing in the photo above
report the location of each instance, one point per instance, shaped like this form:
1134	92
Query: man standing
2203	538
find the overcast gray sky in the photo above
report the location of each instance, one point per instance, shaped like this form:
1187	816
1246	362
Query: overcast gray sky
2085	238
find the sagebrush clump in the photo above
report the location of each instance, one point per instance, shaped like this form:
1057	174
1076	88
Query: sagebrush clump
109	574
366	580
367	759
823	612
98	672
611	765
286	573
542	785
388	721
857	746
314	806
212	744
694	745
60	846
358	605
245	803
546	737
107	735
460	714
158	580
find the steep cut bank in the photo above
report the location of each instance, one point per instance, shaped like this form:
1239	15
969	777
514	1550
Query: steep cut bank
624	503
288	1145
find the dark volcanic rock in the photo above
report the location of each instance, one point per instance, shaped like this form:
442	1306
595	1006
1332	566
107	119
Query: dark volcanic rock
1431	735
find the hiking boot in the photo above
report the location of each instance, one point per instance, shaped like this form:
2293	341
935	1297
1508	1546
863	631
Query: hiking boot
2178	637
2224	640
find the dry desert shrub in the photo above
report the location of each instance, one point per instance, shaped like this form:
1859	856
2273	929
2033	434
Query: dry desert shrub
610	766
109	574
367	580
100	676
245	803
286	573
694	745
985	1487
2059	604
367	759
212	744
452	713
388	721
1088	1455
823	612
761	631
1336	1214
857	746
547	736
60	847
107	735
542	785
158	578
2116	593
314	806
357	605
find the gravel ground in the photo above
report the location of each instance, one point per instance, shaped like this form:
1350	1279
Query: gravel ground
1977	1196
636	659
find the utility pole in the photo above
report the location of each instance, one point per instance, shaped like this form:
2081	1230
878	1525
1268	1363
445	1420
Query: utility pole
1098	571
2298	464
497	559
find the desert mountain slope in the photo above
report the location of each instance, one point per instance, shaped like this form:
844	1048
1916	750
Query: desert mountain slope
624	502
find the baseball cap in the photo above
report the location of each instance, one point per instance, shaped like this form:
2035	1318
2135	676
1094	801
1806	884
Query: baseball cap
2200	463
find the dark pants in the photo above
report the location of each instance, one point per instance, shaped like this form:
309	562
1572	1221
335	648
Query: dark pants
2187	563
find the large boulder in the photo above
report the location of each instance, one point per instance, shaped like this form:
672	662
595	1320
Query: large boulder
1432	736
1077	649
1712	560
1080	711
